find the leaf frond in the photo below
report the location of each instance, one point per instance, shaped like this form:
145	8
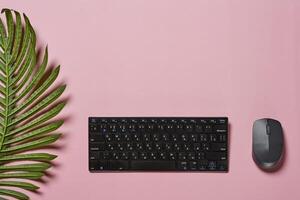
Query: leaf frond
27	106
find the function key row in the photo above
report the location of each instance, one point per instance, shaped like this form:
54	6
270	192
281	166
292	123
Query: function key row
170	128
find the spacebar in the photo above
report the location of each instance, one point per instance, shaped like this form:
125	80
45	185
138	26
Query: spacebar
153	165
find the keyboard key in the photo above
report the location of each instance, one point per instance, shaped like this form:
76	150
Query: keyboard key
117	137
174	137
115	155
193	165
199	129
182	156
222	128
97	165
96	137
188	128
200	156
197	147
194	137
177	147
144	156
134	156
148	146
94	155
165	137
168	146
99	146
111	146
182	165
156	137
222	165
218	147
179	128
203	138
118	165
146	137
208	128
161	127
184	137
222	137
202	165
205	146
191	156
163	155
124	156
170	128
153	165
139	146
136	137
212	121
215	156
93	165
93	128
186	147
153	156
106	155
212	165
212	137
129	147
102	165
127	137
158	146
172	156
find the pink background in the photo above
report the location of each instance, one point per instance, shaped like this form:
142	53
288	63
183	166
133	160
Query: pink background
230	58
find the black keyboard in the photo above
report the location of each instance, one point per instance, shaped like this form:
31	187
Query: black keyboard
158	144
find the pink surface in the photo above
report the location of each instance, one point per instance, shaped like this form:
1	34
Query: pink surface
232	58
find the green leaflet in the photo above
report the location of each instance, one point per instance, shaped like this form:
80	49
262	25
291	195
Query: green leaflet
17	37
20	184
2	34
25	45
2	90
15	194
35	167
1	63
2	79
26	175
10	24
30	156
27	106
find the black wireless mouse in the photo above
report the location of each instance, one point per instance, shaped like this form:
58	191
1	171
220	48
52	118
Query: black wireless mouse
267	144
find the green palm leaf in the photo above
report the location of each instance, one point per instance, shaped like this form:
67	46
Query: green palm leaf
26	107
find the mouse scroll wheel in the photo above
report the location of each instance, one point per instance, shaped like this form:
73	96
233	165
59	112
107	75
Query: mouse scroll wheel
268	130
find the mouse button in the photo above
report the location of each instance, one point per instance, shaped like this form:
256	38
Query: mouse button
259	127
275	127
276	146
276	137
261	143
